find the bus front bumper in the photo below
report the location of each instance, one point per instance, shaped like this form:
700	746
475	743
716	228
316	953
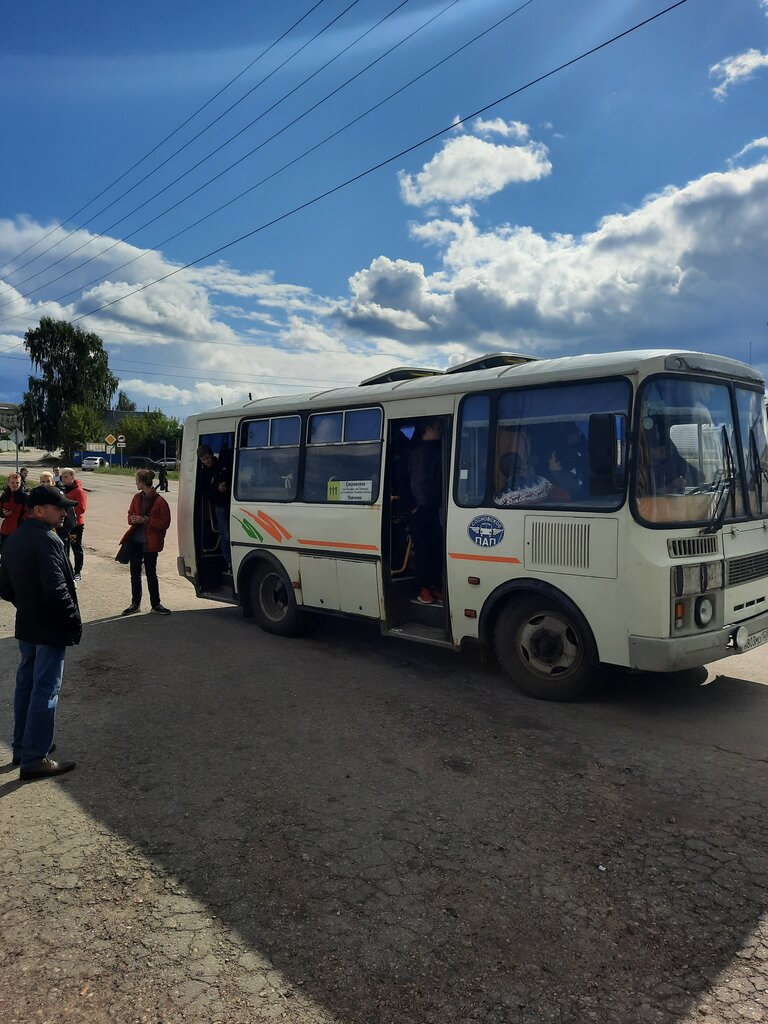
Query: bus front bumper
650	654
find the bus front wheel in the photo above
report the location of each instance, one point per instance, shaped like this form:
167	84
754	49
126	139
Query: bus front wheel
273	602
545	650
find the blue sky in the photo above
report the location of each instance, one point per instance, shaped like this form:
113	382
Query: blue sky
621	203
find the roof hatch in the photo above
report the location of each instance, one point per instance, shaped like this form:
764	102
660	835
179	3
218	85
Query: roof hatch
491	360
400	373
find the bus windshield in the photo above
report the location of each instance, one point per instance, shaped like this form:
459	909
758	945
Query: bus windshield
754	445
688	467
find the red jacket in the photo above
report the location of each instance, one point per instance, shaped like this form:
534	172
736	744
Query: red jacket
75	492
159	521
16	502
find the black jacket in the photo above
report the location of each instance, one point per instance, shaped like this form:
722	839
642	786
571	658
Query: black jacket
426	474
209	478
35	576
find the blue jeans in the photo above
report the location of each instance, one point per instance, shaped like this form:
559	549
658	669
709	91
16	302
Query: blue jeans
222	522
149	559
38	681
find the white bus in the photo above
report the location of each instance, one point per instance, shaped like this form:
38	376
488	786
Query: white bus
596	510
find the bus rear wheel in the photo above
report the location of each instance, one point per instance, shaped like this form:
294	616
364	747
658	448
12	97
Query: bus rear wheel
545	650
273	602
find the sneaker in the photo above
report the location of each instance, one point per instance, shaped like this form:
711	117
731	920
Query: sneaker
161	609
77	577
425	596
132	609
45	768
437	593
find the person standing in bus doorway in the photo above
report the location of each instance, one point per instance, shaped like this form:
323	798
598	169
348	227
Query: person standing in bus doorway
35	576
426	482
213	482
148	518
75	523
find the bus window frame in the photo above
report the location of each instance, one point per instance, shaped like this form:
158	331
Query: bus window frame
307	445
495	395
267	448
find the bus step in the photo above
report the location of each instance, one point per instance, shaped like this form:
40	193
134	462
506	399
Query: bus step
417	631
427	614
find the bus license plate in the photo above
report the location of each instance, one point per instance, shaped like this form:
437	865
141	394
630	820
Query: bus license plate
756	639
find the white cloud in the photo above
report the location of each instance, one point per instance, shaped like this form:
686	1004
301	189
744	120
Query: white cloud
498	126
470	168
761	143
684	268
736	69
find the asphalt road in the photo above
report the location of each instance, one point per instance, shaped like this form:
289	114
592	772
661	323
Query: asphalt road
346	828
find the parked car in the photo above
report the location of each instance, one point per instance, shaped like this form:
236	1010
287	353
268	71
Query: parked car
140	462
93	462
168	463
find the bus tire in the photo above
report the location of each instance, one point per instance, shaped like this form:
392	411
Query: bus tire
273	601
545	649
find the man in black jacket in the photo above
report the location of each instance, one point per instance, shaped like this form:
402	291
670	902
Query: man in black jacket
426	482
35	575
213	483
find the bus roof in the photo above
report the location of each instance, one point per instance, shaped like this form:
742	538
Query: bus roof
537	371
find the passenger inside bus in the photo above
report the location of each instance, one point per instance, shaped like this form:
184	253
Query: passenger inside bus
426	486
662	469
214	486
517	480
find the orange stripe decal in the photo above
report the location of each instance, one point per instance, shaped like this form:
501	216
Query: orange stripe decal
484	558
274	522
265	526
337	544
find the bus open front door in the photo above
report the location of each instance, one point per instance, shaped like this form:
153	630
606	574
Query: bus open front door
413	539
212	555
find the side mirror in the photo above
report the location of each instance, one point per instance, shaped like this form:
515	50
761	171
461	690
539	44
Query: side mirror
607	452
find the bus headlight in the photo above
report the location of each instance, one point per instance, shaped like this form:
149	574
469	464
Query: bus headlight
703	611
697	579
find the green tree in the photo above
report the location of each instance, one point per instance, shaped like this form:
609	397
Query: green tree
145	434
73	370
79	425
124	404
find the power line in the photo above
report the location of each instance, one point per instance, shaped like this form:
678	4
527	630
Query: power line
279	170
208	156
282	381
163	141
384	163
244	343
349	6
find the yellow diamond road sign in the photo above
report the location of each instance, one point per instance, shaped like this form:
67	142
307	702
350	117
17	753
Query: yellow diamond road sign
110	439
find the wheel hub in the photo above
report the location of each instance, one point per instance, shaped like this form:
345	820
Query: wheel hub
549	645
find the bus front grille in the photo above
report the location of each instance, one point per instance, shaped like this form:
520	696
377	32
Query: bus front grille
746	569
690	547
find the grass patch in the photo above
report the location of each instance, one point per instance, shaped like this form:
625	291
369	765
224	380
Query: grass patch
173	474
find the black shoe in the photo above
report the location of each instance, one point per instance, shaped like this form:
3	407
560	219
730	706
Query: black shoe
17	760
45	768
160	609
132	609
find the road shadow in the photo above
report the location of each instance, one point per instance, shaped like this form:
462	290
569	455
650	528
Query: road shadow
406	837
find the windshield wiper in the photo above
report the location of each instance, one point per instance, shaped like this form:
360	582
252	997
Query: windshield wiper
761	471
725	489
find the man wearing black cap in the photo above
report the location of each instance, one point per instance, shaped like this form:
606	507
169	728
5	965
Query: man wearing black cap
35	575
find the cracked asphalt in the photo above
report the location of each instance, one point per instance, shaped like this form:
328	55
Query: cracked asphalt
341	828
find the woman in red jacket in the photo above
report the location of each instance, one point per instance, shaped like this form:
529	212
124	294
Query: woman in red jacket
149	518
74	524
13	501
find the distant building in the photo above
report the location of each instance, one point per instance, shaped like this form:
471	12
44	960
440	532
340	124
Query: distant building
10	415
